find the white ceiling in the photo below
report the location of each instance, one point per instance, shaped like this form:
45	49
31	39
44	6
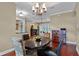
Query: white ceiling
52	8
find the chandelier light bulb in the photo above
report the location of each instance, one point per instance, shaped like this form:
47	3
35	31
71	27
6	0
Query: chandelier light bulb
43	6
45	9
41	11
33	8
37	5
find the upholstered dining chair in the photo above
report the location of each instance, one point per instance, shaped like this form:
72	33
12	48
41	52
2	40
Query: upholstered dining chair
25	36
57	49
25	42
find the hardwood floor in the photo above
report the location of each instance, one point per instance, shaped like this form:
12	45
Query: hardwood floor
69	50
66	50
10	54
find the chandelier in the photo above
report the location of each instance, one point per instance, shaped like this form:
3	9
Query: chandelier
39	8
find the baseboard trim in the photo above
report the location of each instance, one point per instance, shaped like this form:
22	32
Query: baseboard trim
6	51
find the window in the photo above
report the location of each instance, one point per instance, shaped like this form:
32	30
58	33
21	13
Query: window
44	28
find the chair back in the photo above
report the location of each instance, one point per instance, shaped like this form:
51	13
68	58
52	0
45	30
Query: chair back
58	49
25	36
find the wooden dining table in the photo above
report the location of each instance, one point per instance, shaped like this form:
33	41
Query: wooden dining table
32	43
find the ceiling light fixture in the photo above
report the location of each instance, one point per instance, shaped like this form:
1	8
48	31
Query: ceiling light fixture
39	8
21	13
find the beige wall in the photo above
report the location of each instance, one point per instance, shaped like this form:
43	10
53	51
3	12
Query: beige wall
7	24
77	15
65	20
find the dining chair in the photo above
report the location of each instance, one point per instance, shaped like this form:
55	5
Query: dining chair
25	36
57	50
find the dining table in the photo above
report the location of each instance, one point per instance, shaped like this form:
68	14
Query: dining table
32	43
